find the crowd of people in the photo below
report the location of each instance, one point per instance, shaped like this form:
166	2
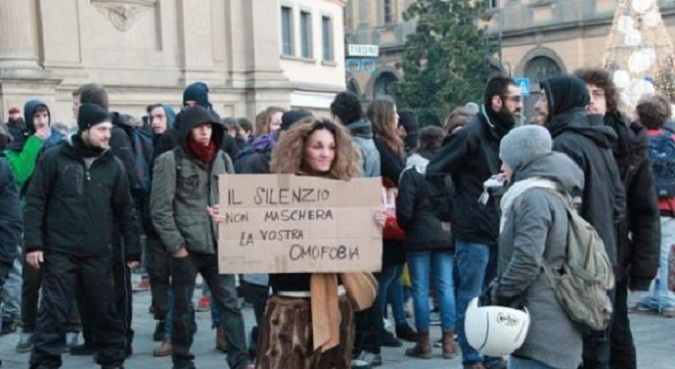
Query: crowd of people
82	208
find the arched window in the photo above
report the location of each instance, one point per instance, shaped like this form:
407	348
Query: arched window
541	68
384	84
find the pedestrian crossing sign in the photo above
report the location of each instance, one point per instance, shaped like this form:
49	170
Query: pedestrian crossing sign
524	86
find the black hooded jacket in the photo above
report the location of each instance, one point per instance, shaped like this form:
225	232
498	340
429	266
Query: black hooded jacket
471	156
72	199
639	253
590	146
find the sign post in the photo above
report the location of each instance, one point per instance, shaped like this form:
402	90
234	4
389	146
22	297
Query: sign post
524	85
291	224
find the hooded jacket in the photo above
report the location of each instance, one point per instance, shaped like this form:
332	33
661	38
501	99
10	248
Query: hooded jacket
255	159
11	219
471	156
183	187
71	201
362	136
590	146
639	235
535	235
23	152
414	208
169	139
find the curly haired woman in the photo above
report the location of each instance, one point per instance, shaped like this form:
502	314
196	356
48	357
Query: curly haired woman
289	338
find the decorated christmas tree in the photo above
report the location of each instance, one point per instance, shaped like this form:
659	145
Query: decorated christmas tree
639	52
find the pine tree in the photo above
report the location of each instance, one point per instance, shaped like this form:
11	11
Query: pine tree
639	52
445	61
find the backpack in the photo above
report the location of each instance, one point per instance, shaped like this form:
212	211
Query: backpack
662	156
142	147
586	275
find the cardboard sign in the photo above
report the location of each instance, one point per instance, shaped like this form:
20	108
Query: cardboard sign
290	224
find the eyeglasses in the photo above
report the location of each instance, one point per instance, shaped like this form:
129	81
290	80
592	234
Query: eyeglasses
515	99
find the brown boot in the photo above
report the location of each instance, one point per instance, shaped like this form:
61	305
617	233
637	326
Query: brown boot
450	349
422	349
164	350
221	344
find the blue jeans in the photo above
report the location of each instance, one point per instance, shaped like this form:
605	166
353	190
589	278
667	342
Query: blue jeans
420	265
522	363
395	296
472	259
12	291
385	279
658	296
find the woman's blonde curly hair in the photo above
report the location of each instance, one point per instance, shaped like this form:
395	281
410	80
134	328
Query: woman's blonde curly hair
288	153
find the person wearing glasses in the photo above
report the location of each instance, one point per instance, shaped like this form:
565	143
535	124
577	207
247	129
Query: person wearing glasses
471	157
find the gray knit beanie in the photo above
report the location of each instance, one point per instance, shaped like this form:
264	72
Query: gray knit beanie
524	144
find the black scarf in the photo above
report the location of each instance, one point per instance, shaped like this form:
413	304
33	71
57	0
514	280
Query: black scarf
500	123
85	150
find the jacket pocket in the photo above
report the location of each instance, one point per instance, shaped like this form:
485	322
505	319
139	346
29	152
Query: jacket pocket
70	181
196	232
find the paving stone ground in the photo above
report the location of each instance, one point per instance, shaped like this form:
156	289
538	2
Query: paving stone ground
654	335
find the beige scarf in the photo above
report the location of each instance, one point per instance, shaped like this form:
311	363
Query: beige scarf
326	316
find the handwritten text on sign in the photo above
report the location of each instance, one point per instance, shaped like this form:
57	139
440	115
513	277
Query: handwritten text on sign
290	224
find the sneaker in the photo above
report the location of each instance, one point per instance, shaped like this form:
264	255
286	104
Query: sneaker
160	331
165	349
388	340
641	308
25	343
434	318
143	285
72	340
668	312
366	360
8	327
204	304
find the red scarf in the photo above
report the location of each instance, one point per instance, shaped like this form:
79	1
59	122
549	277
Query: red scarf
203	153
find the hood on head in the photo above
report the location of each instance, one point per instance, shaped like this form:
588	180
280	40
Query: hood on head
360	128
194	116
555	166
170	116
565	93
29	110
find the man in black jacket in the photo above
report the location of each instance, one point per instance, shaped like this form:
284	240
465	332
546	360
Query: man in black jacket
471	156
76	191
562	106
639	253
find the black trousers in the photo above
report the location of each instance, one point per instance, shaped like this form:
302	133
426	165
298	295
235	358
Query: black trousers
223	291
622	347
596	350
369	327
123	293
158	264
63	274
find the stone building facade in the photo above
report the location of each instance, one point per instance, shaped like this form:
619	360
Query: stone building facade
538	38
146	51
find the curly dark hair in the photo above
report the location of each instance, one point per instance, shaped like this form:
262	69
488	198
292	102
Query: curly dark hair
601	78
653	111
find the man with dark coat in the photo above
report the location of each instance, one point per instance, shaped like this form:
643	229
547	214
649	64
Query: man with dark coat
562	105
639	253
77	189
471	156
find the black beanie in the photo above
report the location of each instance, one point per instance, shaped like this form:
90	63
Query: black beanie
199	93
293	116
90	115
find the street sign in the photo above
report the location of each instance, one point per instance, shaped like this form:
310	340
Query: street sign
368	51
524	85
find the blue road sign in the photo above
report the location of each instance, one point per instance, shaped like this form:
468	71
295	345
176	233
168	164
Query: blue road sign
524	85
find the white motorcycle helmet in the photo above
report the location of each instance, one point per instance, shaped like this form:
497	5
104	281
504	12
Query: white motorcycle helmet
495	330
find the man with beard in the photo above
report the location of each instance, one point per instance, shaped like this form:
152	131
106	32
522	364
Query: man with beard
471	156
562	106
76	190
640	252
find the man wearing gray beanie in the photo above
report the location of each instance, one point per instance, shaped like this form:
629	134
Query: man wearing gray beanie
533	235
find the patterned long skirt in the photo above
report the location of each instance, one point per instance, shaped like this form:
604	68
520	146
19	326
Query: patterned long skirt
285	341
